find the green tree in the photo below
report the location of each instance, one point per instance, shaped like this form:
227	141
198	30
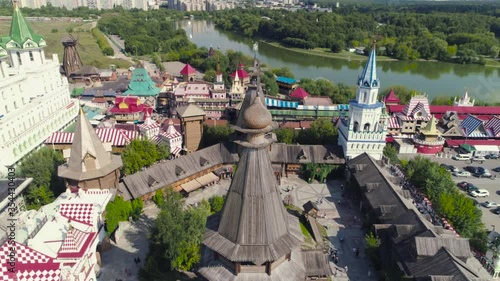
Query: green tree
285	135
284	71
322	131
392	153
117	211
137	206
373	249
158	197
41	165
38	196
210	75
442	100
141	153
319	171
269	80
177	233
216	134
216	203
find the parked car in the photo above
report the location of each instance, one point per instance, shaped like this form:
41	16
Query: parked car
462	174
471	188
462	157
492	156
478	159
480	193
484	174
463	185
489	204
497	211
497	169
472	169
452	168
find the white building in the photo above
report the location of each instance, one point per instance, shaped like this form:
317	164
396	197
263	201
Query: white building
173	139
464	100
365	129
61	240
34	96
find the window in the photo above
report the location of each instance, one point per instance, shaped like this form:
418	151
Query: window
31	56
366	127
6	109
19	58
356	127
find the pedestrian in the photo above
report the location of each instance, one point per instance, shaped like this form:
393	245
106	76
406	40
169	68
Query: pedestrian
357	252
346	269
336	260
138	260
341	240
354	251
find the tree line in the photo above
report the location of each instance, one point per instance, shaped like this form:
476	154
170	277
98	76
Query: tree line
409	35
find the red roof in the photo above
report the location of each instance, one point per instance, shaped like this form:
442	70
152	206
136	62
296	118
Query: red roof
455	143
188	69
133	106
461	110
241	72
299	93
391	98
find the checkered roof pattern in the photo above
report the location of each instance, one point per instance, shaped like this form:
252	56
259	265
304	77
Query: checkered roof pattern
73	242
30	265
82	213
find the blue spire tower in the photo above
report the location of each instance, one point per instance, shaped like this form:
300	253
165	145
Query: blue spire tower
365	130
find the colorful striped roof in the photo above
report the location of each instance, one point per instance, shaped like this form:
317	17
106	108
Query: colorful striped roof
393	123
472	127
493	126
419	101
75	243
281	103
117	137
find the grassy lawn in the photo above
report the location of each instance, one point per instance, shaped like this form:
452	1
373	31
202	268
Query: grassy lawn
324	52
492	62
81	31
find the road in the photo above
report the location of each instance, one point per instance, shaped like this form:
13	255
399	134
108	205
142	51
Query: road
491	220
118	49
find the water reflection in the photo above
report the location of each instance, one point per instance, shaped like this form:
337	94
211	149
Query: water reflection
434	78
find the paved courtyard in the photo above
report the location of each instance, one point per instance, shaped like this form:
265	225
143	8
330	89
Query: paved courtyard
346	225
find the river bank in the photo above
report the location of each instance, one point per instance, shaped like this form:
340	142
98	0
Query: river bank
345	55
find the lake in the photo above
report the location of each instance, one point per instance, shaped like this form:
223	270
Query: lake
433	78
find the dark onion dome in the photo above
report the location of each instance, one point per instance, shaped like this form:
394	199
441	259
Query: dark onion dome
257	116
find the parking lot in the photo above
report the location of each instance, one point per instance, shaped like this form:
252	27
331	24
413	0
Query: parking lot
491	220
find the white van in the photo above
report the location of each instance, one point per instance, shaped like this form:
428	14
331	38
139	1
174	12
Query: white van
462	157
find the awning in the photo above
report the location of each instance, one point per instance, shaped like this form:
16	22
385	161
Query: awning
207	179
486	148
467	147
190	186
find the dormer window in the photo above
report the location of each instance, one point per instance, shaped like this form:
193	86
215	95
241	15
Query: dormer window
31	56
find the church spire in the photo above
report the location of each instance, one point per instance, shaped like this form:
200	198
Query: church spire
88	157
369	76
218	78
20	31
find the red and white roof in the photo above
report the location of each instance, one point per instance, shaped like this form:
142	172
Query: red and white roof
393	123
147	127
30	265
493	126
171	131
82	213
391	97
76	243
417	103
117	137
176	150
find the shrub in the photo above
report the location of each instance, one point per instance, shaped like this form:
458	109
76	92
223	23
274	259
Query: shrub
216	203
103	43
158	197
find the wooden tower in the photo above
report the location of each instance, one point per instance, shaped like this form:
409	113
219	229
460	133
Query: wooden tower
71	59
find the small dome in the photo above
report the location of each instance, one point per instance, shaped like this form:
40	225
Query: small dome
257	116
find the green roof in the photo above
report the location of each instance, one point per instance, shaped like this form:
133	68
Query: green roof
467	147
21	34
141	84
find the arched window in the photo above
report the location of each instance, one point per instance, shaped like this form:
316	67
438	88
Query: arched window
19	58
366	97
31	56
366	127
356	127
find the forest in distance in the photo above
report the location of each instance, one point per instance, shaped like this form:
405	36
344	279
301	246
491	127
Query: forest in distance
402	32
